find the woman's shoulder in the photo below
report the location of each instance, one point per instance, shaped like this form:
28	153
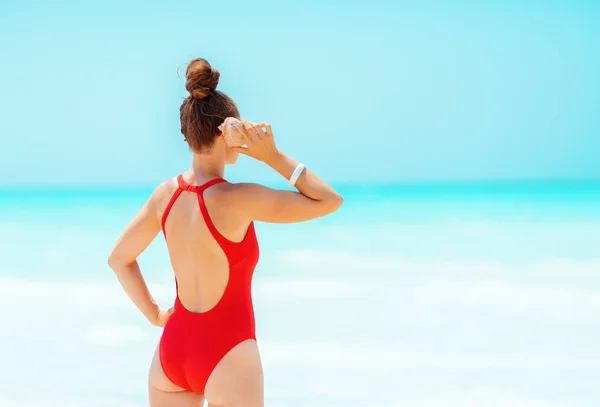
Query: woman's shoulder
162	193
165	188
239	191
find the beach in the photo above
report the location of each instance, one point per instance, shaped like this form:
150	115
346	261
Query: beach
471	294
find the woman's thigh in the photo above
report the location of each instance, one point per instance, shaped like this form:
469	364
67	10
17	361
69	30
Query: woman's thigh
163	393
238	378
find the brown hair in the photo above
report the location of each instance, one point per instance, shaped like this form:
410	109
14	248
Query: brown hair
205	109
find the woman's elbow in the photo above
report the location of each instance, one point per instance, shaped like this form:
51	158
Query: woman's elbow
334	203
115	261
339	200
112	261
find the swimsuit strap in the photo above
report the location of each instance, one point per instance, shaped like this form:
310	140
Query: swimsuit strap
168	209
225	243
184	186
197	188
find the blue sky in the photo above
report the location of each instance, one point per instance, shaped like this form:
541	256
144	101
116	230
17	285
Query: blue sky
364	91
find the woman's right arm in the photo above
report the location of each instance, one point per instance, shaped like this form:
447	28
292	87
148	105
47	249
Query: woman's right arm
314	199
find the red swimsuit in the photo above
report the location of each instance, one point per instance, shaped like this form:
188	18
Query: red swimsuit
192	344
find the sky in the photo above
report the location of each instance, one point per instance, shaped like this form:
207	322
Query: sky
360	91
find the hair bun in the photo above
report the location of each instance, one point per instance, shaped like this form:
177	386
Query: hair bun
201	79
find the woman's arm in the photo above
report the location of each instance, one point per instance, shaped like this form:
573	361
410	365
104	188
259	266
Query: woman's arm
315	197
136	237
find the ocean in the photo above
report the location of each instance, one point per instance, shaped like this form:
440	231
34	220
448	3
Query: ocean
413	295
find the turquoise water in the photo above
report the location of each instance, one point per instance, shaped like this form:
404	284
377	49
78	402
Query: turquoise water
411	295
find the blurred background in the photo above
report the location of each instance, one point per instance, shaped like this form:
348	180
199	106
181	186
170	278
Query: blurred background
462	269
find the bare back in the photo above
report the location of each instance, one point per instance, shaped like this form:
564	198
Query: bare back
199	263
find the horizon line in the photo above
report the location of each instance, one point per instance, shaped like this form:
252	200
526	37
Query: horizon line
47	187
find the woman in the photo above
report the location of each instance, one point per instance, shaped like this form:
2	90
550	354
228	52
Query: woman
208	347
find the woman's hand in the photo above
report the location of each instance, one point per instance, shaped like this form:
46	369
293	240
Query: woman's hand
260	143
162	317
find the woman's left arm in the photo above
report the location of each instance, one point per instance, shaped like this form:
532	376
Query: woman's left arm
136	237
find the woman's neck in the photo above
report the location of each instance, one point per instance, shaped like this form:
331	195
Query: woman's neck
208	166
